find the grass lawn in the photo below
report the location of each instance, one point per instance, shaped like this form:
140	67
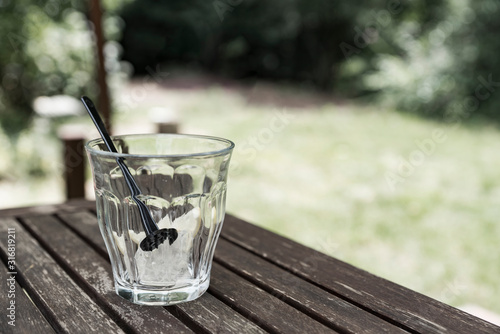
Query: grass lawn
411	200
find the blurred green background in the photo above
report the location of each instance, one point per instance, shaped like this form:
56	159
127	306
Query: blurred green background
366	131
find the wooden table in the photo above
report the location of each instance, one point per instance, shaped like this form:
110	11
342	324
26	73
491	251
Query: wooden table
261	283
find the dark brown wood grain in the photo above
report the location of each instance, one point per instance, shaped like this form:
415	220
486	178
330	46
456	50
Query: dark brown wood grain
261	283
322	305
85	224
216	317
94	271
27	318
264	309
59	298
206	313
409	309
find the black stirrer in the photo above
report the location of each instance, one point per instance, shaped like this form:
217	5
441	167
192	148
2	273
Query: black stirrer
154	235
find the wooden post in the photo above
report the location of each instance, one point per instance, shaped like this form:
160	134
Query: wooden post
167	127
74	162
166	119
103	98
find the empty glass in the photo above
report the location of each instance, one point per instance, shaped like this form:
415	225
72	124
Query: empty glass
182	179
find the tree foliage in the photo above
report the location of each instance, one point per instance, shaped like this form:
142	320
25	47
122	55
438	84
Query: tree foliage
283	39
426	57
435	58
46	50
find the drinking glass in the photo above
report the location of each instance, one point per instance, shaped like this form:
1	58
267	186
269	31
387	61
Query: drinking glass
182	180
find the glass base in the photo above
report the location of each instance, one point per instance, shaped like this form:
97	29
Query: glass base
162	297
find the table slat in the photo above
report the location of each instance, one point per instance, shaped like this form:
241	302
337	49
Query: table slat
412	310
223	319
28	318
264	309
63	303
85	224
328	308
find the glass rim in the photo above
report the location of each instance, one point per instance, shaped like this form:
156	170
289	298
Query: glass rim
227	149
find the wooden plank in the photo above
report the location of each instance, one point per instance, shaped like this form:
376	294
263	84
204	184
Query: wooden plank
413	311
266	310
92	269
167	127
85	224
216	317
23	316
206	313
321	305
66	306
